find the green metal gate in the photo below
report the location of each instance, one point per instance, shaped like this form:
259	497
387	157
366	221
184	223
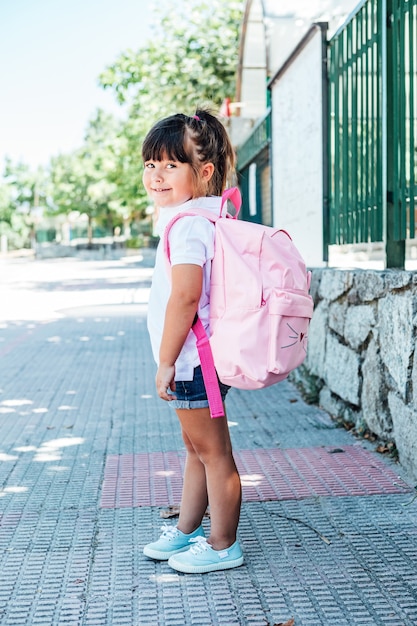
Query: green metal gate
372	127
401	115
253	165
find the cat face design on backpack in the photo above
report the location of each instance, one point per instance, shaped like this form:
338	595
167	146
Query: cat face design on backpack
296	337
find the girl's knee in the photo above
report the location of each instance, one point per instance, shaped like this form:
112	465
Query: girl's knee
214	457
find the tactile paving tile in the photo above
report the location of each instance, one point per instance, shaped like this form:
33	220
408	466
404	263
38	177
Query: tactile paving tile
363	574
155	479
84	567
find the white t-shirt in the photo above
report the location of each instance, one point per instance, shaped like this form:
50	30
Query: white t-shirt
191	240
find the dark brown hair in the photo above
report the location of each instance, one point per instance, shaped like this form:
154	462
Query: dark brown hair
196	140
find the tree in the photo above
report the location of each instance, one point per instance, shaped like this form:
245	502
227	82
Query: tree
23	197
83	181
190	61
12	224
192	58
6	204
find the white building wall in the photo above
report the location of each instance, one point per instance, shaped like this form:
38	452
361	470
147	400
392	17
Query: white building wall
297	150
254	71
287	21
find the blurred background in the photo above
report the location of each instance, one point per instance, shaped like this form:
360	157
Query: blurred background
81	84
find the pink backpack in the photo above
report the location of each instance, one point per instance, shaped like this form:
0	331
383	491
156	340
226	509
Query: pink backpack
260	307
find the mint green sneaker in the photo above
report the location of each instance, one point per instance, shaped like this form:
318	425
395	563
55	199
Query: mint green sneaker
202	558
170	542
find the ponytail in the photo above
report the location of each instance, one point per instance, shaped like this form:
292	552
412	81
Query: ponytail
213	145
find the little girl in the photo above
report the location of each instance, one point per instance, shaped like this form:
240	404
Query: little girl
187	162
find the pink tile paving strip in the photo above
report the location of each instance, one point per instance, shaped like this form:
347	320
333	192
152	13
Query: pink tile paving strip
155	479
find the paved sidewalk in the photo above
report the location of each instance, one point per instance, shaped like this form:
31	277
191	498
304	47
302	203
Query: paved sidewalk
89	458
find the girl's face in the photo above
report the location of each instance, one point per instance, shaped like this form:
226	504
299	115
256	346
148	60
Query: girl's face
168	183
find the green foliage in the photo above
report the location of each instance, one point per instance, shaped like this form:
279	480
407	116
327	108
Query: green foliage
23	194
191	60
6	204
12	225
28	189
83	180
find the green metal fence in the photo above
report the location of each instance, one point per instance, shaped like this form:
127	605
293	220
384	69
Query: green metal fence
259	138
355	129
253	165
372	126
402	111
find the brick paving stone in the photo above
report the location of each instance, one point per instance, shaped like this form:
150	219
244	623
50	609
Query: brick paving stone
76	395
155	479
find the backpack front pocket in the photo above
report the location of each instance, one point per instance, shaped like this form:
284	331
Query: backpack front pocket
289	319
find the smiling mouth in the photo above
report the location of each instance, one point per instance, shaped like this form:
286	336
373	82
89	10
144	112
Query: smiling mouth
159	190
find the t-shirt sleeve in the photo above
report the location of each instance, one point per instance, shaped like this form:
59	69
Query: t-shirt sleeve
191	240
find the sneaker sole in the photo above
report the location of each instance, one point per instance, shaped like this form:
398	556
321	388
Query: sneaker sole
162	556
205	569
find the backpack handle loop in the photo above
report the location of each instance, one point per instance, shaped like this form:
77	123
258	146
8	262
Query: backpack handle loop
232	194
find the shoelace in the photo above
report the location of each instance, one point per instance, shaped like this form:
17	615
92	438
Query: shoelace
170	532
200	545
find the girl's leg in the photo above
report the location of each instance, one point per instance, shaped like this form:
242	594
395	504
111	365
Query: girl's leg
209	448
194	490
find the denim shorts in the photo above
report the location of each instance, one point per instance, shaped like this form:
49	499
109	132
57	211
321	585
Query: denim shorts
191	394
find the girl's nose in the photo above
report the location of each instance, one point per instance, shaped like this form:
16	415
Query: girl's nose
156	174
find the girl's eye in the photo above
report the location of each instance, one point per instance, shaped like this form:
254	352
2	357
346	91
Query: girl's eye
171	165
149	165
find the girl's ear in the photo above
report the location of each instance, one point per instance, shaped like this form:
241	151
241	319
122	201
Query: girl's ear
207	171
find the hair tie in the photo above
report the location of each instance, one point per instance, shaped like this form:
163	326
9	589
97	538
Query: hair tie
195	117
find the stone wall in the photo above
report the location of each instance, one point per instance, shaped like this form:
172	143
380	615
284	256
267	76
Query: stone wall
362	356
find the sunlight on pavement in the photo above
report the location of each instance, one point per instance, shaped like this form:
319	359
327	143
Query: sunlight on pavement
11	406
42	291
47	451
165	578
22	402
7	457
8	490
251	480
52	450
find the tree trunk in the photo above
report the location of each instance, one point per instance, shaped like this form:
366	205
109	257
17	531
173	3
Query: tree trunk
90	231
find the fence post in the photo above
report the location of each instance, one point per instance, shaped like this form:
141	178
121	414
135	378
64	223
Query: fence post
325	120
394	240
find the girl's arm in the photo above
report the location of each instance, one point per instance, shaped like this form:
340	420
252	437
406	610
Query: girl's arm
187	281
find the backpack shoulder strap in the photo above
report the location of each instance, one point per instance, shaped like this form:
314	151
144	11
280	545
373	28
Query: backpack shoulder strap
232	194
207	214
208	368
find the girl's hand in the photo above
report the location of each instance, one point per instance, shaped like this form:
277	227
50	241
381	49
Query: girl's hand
165	382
